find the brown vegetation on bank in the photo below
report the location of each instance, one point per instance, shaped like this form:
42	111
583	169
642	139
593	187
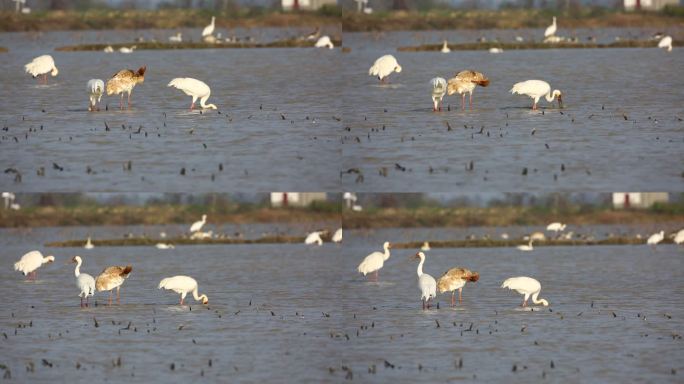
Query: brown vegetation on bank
501	217
156	215
502	19
100	19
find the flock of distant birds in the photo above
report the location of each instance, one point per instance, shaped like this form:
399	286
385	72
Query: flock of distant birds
125	80
456	278
465	81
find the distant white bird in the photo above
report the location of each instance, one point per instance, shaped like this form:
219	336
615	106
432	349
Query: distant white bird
41	66
127	50
525	286
88	244
656	238
108	49
383	67
556	227
84	281
30	262
197	225
536	89
357	208
337	236
426	283
9	199
314	238
164	246
195	88
209	29
551	30
526	248
374	262
495	50
666	42
504	236
15	206
95	88
519	39
183	285
445	47
425	247
439	89
679	237
199	235
178	38
323	42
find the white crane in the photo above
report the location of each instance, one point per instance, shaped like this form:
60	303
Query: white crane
41	66
177	38
655	238
30	262
526	247
536	89
374	262
337	236
556	227
666	42
195	88
551	29
183	285
525	286
383	67
439	89
84	281
96	88
209	29
426	283
445	47
314	238
324	42
197	225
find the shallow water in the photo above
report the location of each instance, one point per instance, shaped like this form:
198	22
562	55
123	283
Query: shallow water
275	130
311	314
620	129
264	318
608	320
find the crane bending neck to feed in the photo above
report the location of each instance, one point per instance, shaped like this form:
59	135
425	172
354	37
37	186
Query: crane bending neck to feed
525	286
536	89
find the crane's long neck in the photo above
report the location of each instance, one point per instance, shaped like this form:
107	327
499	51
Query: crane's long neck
549	96
420	267
386	255
538	301
197	296
203	101
77	271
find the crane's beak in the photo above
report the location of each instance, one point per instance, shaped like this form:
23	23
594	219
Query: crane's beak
560	101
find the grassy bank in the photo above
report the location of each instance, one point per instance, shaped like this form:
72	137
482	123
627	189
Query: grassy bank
492	243
162	214
294	43
505	19
507	216
161	19
531	45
